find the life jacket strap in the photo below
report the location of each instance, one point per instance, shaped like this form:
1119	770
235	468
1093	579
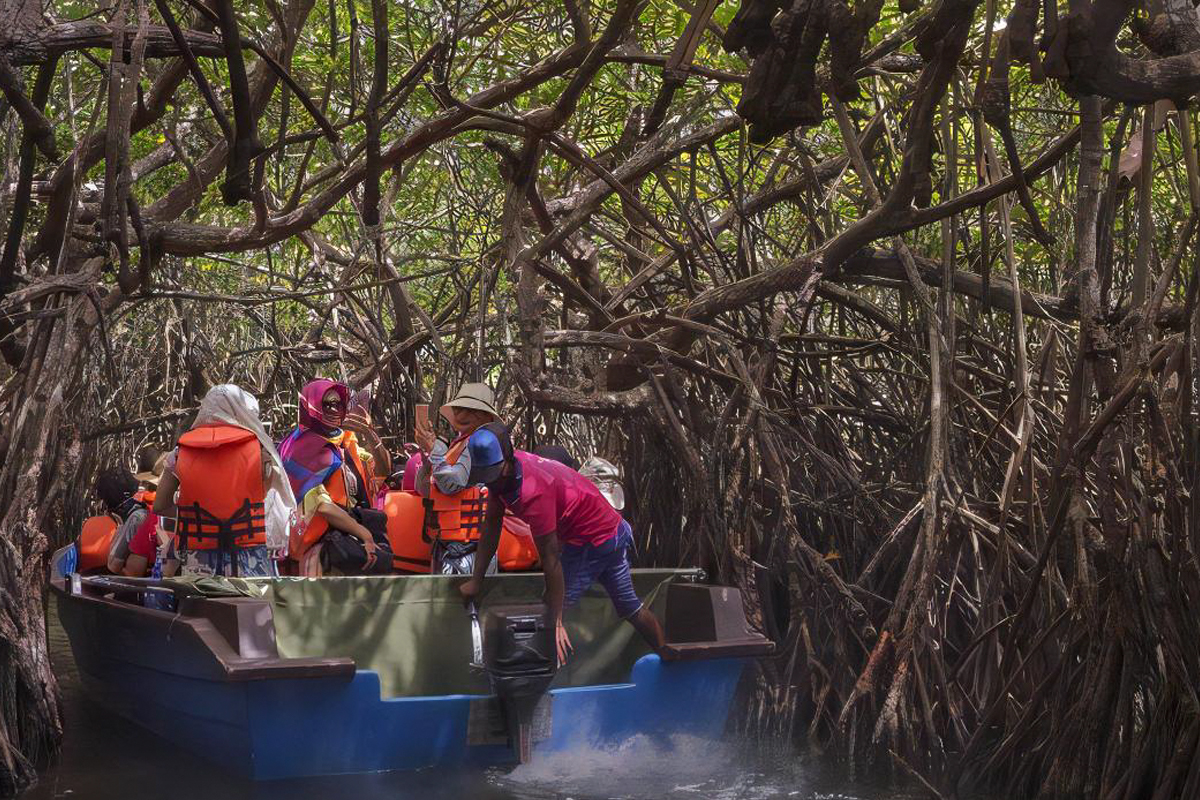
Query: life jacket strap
196	522
471	511
430	522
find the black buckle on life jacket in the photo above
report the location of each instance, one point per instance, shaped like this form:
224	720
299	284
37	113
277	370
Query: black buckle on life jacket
430	520
196	522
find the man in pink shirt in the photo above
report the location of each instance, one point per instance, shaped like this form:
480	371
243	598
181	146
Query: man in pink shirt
580	537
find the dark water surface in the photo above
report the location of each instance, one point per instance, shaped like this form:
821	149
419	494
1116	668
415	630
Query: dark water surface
105	757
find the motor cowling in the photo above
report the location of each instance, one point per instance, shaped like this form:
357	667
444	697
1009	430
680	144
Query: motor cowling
521	662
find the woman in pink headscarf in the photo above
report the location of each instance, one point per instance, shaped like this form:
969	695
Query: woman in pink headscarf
331	472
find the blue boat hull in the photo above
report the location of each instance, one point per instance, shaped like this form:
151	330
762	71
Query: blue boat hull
269	718
307	727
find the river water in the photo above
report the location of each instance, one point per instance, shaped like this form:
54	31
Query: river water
105	757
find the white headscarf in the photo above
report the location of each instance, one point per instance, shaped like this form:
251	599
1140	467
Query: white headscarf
232	405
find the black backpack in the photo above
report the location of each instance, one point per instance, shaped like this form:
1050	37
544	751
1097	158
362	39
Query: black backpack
346	554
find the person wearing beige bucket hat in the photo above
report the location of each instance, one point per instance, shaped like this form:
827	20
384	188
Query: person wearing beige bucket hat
455	470
471	397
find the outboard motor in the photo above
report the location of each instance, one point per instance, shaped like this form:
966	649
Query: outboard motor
521	661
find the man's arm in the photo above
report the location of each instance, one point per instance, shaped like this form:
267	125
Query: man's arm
341	519
549	551
449	478
489	540
118	550
164	497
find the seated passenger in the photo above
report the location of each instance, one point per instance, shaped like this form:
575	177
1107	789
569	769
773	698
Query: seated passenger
226	487
93	543
117	488
446	475
580	537
332	475
151	549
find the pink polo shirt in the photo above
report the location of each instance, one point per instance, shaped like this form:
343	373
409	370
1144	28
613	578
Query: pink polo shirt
554	497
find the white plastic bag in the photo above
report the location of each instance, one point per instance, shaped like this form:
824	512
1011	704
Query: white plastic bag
278	517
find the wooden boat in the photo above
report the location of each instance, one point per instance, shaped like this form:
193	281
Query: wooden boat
361	674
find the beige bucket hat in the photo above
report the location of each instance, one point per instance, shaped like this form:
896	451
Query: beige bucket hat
478	396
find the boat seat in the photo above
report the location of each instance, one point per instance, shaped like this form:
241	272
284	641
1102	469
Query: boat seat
750	647
246	623
247	626
710	622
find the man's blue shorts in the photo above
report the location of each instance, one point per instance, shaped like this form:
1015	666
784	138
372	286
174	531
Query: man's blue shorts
608	563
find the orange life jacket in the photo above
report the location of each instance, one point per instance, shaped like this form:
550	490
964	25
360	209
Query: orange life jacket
459	518
335	484
456	517
406	527
516	551
412	549
94	542
221	489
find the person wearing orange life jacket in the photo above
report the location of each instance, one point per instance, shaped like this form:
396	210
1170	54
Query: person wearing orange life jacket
152	547
150	550
105	547
92	544
226	487
449	476
332	475
127	504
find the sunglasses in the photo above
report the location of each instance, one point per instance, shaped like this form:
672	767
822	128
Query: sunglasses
333	405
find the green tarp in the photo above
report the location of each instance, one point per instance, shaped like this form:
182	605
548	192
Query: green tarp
415	632
213	586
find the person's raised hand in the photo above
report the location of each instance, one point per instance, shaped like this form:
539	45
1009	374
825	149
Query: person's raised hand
423	433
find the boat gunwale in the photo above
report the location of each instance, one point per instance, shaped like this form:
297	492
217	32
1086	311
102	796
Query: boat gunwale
234	666
226	652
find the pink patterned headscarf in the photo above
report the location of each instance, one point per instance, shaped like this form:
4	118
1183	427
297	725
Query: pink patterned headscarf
309	457
312	413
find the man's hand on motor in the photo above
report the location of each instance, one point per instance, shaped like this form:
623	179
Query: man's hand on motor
469	589
562	642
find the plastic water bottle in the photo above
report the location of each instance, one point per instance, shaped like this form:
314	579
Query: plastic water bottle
159	600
